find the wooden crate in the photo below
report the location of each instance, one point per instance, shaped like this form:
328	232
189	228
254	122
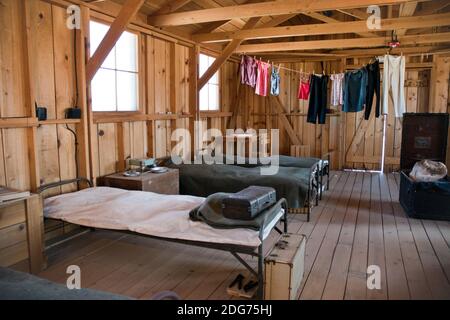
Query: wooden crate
21	233
163	183
284	267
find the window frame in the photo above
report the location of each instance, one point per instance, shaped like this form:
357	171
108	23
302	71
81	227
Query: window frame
140	73
219	73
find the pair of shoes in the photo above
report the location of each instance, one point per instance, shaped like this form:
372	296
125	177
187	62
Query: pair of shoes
239	279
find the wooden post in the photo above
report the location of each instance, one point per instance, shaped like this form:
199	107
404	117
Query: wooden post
82	128
29	100
35	231
439	84
194	111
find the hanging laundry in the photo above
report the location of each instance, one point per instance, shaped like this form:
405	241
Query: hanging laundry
261	79
304	87
394	81
337	94
275	82
318	99
373	87
248	71
355	83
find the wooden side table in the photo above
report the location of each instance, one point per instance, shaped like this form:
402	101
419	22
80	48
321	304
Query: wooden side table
163	183
22	233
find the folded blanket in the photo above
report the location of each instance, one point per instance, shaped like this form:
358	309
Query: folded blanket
210	212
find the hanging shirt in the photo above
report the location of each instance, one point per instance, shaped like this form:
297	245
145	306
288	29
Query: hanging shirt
304	87
261	79
337	94
355	83
248	71
275	82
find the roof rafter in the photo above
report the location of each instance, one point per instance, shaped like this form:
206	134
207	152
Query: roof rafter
261	9
326	19
342	43
406	10
426	21
171	6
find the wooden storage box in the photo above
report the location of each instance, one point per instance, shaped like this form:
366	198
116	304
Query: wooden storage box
284	267
163	183
21	233
424	136
425	200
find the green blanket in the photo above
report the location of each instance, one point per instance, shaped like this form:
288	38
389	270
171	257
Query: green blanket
203	180
284	161
210	212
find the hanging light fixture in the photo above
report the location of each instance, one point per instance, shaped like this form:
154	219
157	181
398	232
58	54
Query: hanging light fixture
394	43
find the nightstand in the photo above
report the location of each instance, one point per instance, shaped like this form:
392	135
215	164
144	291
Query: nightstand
21	233
163	183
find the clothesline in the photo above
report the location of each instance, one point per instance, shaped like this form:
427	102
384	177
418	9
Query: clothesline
284	68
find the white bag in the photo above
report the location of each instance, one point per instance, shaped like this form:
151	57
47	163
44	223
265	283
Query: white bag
428	171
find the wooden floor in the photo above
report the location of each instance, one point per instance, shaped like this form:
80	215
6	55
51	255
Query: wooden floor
358	223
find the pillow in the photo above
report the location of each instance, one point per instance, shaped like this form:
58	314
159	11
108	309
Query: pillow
428	171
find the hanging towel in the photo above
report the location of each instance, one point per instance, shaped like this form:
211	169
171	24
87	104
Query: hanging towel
337	94
394	81
261	79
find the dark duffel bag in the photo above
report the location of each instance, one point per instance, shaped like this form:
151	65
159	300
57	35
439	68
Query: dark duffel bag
248	203
425	200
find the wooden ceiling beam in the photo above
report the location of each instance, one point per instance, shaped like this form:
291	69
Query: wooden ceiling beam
342	43
210	27
427	21
261	9
326	19
382	51
227	52
171	6
406	10
430	8
355	13
126	14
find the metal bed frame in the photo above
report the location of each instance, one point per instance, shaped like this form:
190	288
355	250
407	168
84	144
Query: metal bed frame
235	250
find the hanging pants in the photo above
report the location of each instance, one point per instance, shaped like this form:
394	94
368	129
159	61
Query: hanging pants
394	81
373	87
318	99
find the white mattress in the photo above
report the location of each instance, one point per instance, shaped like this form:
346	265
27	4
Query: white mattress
145	213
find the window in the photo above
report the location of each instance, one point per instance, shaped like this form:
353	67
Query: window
115	85
209	94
